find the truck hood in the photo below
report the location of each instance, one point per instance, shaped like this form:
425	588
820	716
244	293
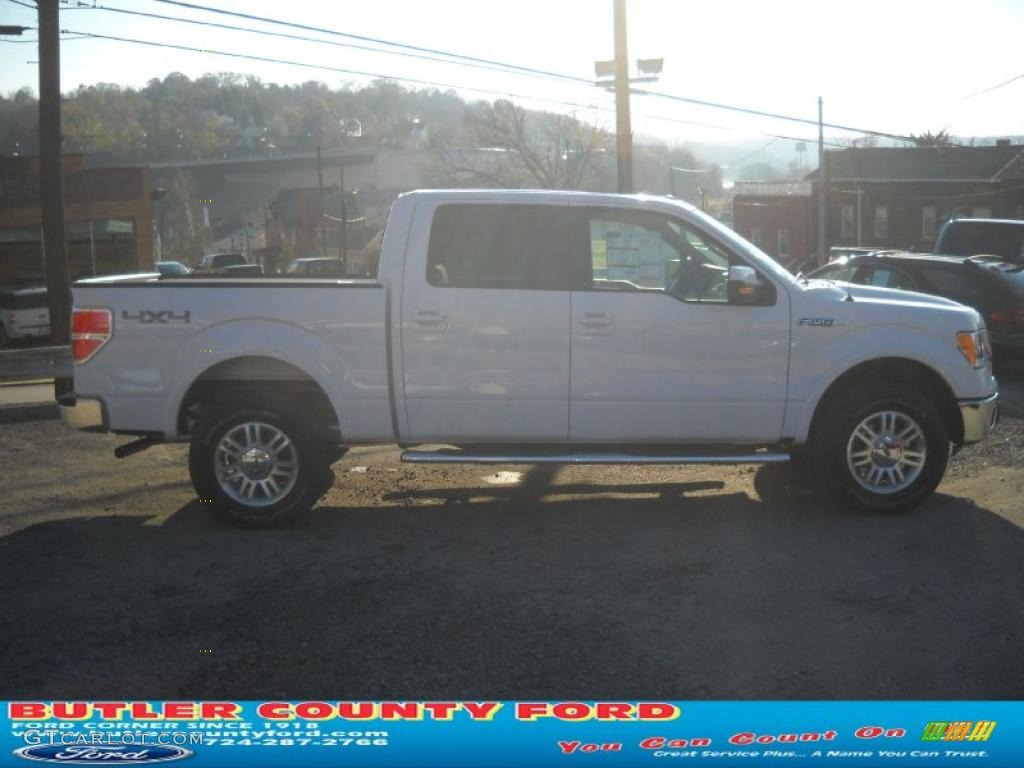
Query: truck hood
885	304
840	291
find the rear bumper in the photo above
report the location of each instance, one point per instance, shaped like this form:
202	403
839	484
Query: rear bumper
83	413
980	418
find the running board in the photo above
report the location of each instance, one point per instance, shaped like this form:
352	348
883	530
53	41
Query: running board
466	457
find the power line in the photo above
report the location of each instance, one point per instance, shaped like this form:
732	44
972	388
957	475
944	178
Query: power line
773	115
377	40
991	88
523	69
416	81
326	67
304	38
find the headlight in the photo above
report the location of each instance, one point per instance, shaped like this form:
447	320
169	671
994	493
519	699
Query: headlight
974	346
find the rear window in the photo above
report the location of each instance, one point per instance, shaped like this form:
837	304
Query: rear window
502	246
970	238
30	299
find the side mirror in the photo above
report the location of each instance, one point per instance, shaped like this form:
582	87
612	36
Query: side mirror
745	287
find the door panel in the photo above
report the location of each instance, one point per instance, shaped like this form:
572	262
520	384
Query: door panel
485	328
672	361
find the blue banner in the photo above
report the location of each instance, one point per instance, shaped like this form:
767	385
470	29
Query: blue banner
452	734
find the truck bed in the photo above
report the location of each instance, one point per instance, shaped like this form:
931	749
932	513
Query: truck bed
169	334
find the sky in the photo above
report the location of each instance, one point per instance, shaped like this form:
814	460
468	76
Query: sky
897	66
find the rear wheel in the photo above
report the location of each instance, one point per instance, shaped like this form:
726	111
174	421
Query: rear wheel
884	448
259	466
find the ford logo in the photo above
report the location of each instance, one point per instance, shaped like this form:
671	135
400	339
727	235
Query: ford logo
105	755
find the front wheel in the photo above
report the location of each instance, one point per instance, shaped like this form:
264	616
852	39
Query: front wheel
257	464
885	448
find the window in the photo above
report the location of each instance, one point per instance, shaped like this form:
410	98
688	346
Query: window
842	270
757	236
502	246
928	219
981	212
963	285
783	242
847	221
640	251
881	221
889	277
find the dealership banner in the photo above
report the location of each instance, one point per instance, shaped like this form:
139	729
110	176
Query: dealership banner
505	733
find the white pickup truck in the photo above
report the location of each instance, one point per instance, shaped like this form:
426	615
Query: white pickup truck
531	327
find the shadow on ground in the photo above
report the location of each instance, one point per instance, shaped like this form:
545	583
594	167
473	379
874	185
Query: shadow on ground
676	590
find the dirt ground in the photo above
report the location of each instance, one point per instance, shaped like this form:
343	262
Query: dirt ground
506	582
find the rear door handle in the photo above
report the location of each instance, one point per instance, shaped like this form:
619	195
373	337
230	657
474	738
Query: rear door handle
429	321
595	322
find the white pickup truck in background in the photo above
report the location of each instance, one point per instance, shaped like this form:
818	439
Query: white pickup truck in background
530	327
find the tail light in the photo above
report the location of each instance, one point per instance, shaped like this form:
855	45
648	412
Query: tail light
1018	316
90	330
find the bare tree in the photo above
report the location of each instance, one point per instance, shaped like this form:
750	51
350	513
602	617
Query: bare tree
940	139
512	147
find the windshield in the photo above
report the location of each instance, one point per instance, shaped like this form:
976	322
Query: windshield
970	238
759	257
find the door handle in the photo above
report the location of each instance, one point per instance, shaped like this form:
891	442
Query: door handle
429	321
595	322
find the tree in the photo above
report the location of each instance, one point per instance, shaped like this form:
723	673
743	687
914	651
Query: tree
512	147
940	139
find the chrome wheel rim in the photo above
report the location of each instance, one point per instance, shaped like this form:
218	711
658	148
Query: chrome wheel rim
886	452
256	464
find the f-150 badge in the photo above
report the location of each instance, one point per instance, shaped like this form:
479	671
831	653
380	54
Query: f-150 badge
162	316
818	322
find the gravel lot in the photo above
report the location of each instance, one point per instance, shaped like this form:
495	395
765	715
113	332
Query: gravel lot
506	582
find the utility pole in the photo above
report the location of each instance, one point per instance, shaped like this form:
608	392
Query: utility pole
51	182
822	182
344	216
623	123
613	75
323	213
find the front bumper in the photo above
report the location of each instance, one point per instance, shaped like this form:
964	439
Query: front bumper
980	418
83	413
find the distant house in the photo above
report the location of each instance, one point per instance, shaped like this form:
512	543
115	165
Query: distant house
890	197
109	214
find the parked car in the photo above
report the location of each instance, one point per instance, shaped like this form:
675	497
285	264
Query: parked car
24	312
688	345
172	268
988	284
971	237
217	261
319	265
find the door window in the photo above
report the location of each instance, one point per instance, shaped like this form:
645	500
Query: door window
502	246
889	277
639	251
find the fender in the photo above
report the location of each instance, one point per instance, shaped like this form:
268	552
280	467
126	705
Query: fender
262	338
814	368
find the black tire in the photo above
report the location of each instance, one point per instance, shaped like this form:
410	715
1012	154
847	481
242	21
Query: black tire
311	479
846	412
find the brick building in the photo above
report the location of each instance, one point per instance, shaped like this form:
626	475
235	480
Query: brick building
884	197
108	212
777	217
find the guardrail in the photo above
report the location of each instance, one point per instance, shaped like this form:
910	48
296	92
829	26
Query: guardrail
35	363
